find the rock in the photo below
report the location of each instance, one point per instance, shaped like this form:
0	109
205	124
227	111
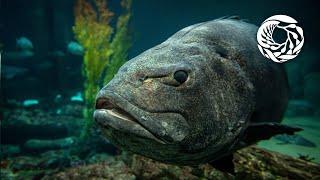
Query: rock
34	167
299	107
9	150
38	145
250	163
101	157
312	88
37	124
54	159
258	163
24	163
73	109
50	159
145	168
91	146
112	170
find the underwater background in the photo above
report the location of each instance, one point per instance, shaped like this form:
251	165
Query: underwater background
56	55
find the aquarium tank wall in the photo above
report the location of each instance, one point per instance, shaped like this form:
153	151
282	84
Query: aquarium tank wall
159	89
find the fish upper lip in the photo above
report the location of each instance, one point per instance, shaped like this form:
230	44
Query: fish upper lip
107	106
114	110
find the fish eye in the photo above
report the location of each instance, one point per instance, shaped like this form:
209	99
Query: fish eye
180	76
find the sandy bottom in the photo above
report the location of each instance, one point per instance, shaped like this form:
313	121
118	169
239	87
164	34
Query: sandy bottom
311	126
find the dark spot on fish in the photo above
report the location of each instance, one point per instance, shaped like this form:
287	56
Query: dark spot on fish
143	78
218	68
222	52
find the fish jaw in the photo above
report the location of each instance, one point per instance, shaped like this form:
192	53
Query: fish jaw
110	119
113	111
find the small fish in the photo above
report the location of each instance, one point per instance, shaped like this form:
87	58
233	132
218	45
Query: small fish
295	139
75	48
24	43
197	97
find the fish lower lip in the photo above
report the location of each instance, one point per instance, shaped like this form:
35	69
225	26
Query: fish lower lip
122	121
119	113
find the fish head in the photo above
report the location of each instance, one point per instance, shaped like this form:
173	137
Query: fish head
178	102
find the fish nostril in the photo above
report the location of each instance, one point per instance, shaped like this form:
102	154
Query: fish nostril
103	103
143	78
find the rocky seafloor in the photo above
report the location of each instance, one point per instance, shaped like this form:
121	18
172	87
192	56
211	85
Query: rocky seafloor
44	143
250	163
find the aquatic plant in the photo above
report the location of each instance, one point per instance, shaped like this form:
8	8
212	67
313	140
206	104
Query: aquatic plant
105	47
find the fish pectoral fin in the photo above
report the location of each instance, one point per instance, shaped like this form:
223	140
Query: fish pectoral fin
265	130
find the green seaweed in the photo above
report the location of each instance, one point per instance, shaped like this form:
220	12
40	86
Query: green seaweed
106	49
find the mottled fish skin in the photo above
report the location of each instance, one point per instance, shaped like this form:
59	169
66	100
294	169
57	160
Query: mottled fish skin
229	85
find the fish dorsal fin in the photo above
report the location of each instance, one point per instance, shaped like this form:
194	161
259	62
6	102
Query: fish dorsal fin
265	130
233	17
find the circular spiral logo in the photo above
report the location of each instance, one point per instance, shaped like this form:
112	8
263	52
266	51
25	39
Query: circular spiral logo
280	51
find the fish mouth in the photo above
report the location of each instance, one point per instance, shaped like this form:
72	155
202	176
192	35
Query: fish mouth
113	110
109	114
